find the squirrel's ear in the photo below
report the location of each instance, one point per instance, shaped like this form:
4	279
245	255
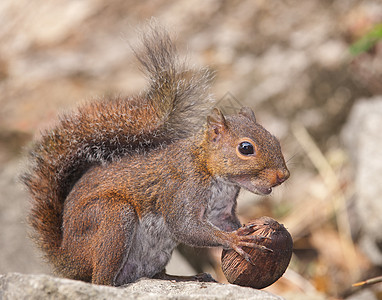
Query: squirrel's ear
216	124
248	112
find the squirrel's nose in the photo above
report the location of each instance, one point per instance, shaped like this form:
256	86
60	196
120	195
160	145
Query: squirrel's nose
282	175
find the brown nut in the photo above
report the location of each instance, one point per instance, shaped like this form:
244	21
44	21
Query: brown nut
268	266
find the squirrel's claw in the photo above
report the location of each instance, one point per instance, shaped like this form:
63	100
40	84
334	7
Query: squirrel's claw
250	242
244	254
256	237
253	245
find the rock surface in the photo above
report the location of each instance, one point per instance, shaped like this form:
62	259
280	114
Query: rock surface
363	138
20	286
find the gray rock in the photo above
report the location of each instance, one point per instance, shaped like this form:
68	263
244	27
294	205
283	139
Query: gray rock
20	286
363	138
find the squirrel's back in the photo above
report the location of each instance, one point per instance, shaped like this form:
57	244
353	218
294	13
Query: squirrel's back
172	108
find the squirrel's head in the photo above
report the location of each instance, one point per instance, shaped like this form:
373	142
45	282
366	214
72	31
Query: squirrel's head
242	152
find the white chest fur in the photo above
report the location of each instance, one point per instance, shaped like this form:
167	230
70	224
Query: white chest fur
221	210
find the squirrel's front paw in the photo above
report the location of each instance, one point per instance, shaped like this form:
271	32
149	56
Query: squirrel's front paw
242	238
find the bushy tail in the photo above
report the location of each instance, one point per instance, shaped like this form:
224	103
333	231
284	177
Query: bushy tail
172	108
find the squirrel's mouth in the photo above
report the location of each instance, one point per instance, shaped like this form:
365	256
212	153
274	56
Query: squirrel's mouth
253	185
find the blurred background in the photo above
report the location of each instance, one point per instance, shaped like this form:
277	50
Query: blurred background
311	70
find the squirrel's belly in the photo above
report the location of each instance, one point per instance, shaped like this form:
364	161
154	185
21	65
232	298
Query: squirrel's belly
150	250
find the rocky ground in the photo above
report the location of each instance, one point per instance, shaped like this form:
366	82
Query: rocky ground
21	286
289	60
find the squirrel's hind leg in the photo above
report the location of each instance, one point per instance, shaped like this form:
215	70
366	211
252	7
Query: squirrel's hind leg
116	234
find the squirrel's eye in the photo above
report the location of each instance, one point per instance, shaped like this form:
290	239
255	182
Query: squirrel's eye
246	148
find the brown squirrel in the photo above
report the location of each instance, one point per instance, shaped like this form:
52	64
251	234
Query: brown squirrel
118	183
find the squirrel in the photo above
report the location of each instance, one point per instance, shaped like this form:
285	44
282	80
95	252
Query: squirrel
118	183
